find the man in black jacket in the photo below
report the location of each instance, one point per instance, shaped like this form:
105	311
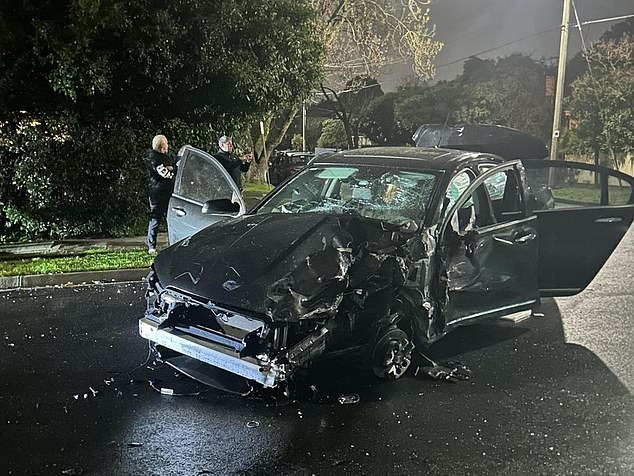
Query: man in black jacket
232	163
161	171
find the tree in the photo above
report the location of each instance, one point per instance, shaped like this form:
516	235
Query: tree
362	37
578	64
198	60
333	135
105	75
434	104
393	119
351	105
509	91
601	100
381	126
359	38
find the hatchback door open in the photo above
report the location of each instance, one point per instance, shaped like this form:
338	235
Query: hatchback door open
204	193
583	211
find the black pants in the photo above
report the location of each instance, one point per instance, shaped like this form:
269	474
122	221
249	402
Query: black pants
159	201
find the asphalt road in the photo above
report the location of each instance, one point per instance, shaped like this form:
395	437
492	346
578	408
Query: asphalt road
535	404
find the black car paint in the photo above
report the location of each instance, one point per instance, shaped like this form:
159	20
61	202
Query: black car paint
284	267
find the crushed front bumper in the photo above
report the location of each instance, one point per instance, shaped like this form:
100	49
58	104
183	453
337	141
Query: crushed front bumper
269	374
261	369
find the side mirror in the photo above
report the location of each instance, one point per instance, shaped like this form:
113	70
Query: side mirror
223	205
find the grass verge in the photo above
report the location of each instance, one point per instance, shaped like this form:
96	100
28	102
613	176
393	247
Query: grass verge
93	260
253	192
103	259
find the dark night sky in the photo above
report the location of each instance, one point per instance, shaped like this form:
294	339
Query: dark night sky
468	27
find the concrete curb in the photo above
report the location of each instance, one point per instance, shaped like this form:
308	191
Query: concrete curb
85	277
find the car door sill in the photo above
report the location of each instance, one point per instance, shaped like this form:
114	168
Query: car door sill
501	310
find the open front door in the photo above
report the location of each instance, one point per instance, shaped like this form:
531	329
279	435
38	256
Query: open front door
583	212
200	178
489	248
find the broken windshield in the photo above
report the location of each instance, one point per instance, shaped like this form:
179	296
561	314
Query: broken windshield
383	193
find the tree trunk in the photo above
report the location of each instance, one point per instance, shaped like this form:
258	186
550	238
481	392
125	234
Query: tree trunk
263	146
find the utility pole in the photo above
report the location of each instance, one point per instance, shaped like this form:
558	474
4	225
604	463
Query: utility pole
561	77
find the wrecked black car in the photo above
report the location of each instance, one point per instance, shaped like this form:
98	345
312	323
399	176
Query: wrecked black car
379	250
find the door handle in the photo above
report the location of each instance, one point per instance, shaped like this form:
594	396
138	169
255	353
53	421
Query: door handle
180	212
609	220
525	238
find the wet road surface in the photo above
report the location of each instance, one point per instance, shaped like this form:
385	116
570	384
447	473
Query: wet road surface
71	403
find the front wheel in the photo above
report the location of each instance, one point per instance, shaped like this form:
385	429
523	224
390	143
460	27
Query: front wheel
392	354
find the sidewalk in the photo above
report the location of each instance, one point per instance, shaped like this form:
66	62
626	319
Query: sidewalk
66	247
69	247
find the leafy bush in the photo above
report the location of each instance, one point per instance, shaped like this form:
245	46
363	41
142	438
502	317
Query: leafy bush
333	134
62	178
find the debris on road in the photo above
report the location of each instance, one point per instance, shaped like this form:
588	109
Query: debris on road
349	399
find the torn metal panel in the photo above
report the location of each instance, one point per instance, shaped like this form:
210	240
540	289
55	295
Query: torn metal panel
358	268
315	260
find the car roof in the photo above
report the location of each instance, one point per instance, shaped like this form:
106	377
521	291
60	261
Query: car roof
429	158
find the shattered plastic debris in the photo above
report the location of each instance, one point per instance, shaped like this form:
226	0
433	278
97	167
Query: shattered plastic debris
253	424
349	399
230	285
451	371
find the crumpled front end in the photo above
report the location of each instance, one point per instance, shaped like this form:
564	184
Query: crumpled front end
250	347
337	294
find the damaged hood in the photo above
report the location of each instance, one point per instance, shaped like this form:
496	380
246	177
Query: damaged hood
287	266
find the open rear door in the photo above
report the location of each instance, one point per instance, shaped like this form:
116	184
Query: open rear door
583	212
200	178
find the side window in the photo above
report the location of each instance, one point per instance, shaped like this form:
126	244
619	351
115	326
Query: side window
495	185
475	213
564	187
457	185
201	180
506	196
619	191
576	187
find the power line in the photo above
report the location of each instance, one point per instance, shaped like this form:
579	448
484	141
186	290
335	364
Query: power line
550	30
499	47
